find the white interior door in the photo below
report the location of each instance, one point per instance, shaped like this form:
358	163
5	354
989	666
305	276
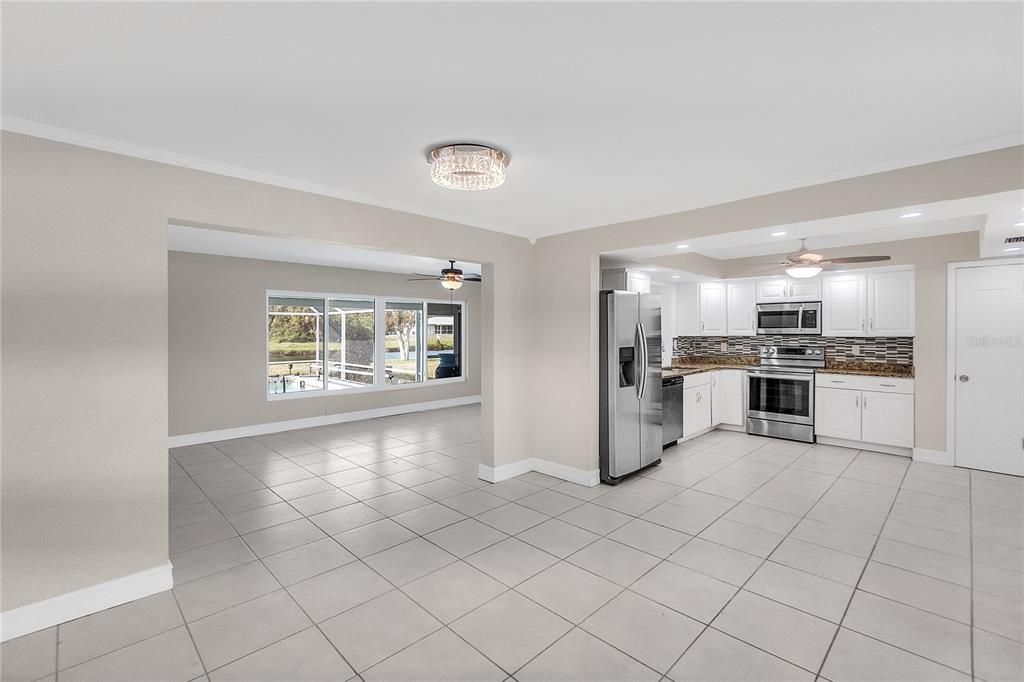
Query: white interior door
989	368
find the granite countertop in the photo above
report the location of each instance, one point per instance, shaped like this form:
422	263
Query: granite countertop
871	369
682	367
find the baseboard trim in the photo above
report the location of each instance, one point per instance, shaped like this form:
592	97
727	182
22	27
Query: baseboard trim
933	456
49	612
870	447
543	466
308	422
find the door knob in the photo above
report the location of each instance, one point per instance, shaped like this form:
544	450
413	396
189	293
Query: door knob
964	377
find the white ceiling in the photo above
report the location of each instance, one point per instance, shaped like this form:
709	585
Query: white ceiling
610	111
243	245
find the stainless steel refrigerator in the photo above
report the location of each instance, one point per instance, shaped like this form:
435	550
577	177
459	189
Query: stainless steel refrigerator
630	383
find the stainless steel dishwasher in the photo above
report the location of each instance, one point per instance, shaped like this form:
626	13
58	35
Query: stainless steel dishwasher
672	410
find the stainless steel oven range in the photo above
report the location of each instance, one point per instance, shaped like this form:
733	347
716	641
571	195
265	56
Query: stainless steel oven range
780	392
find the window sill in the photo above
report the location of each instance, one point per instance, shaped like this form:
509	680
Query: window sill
362	391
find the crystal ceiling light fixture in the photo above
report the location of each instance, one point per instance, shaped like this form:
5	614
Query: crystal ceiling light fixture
468	167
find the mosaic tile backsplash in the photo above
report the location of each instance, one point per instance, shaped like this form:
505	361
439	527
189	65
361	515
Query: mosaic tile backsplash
897	350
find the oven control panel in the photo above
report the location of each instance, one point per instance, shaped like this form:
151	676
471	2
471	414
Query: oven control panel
793	356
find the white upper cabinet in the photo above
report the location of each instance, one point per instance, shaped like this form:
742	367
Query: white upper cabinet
844	305
713	307
772	290
786	289
891	303
868	304
687	309
740	312
805	289
638	282
623	279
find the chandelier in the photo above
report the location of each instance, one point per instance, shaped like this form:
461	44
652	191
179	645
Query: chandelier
468	167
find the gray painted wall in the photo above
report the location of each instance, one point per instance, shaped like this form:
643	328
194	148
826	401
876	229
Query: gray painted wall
217	340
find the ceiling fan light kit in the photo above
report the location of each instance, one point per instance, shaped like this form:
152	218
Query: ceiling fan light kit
803	271
468	167
805	264
451	278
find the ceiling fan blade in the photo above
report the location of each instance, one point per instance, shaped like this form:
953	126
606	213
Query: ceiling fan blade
857	259
420	274
423	279
472	278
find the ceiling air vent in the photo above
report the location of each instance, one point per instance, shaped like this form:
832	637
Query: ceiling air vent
1014	240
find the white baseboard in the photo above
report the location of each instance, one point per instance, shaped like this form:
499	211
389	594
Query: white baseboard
933	456
49	612
870	447
543	466
308	422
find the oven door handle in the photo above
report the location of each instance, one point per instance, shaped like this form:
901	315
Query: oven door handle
798	377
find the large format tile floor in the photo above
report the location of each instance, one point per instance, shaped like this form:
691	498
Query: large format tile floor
372	549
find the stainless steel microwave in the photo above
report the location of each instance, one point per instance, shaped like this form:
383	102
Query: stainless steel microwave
789	318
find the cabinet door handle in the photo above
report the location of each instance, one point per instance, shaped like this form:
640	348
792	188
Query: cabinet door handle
836	381
862	327
888	385
865	402
856	401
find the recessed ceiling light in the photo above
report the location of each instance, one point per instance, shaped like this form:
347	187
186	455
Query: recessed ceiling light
912	214
651	269
682	246
1012	248
1020	224
778	234
676	276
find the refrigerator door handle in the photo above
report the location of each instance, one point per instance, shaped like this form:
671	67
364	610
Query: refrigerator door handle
642	360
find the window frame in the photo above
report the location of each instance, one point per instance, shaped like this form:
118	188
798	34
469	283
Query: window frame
379	326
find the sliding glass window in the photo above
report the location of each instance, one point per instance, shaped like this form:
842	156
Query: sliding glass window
350	350
444	340
323	344
403	325
295	345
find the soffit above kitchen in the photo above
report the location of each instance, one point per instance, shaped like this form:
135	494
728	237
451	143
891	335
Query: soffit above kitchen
993	217
610	111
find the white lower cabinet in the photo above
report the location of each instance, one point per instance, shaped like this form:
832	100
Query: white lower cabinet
887	418
727	397
871	410
696	408
837	413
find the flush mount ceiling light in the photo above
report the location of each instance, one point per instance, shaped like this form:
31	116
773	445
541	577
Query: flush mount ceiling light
912	214
468	167
682	246
778	234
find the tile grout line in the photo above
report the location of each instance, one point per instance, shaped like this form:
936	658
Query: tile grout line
627	588
765	560
863	570
970	527
299	606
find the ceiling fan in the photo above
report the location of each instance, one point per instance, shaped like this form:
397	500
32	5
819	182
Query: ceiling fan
804	263
451	278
